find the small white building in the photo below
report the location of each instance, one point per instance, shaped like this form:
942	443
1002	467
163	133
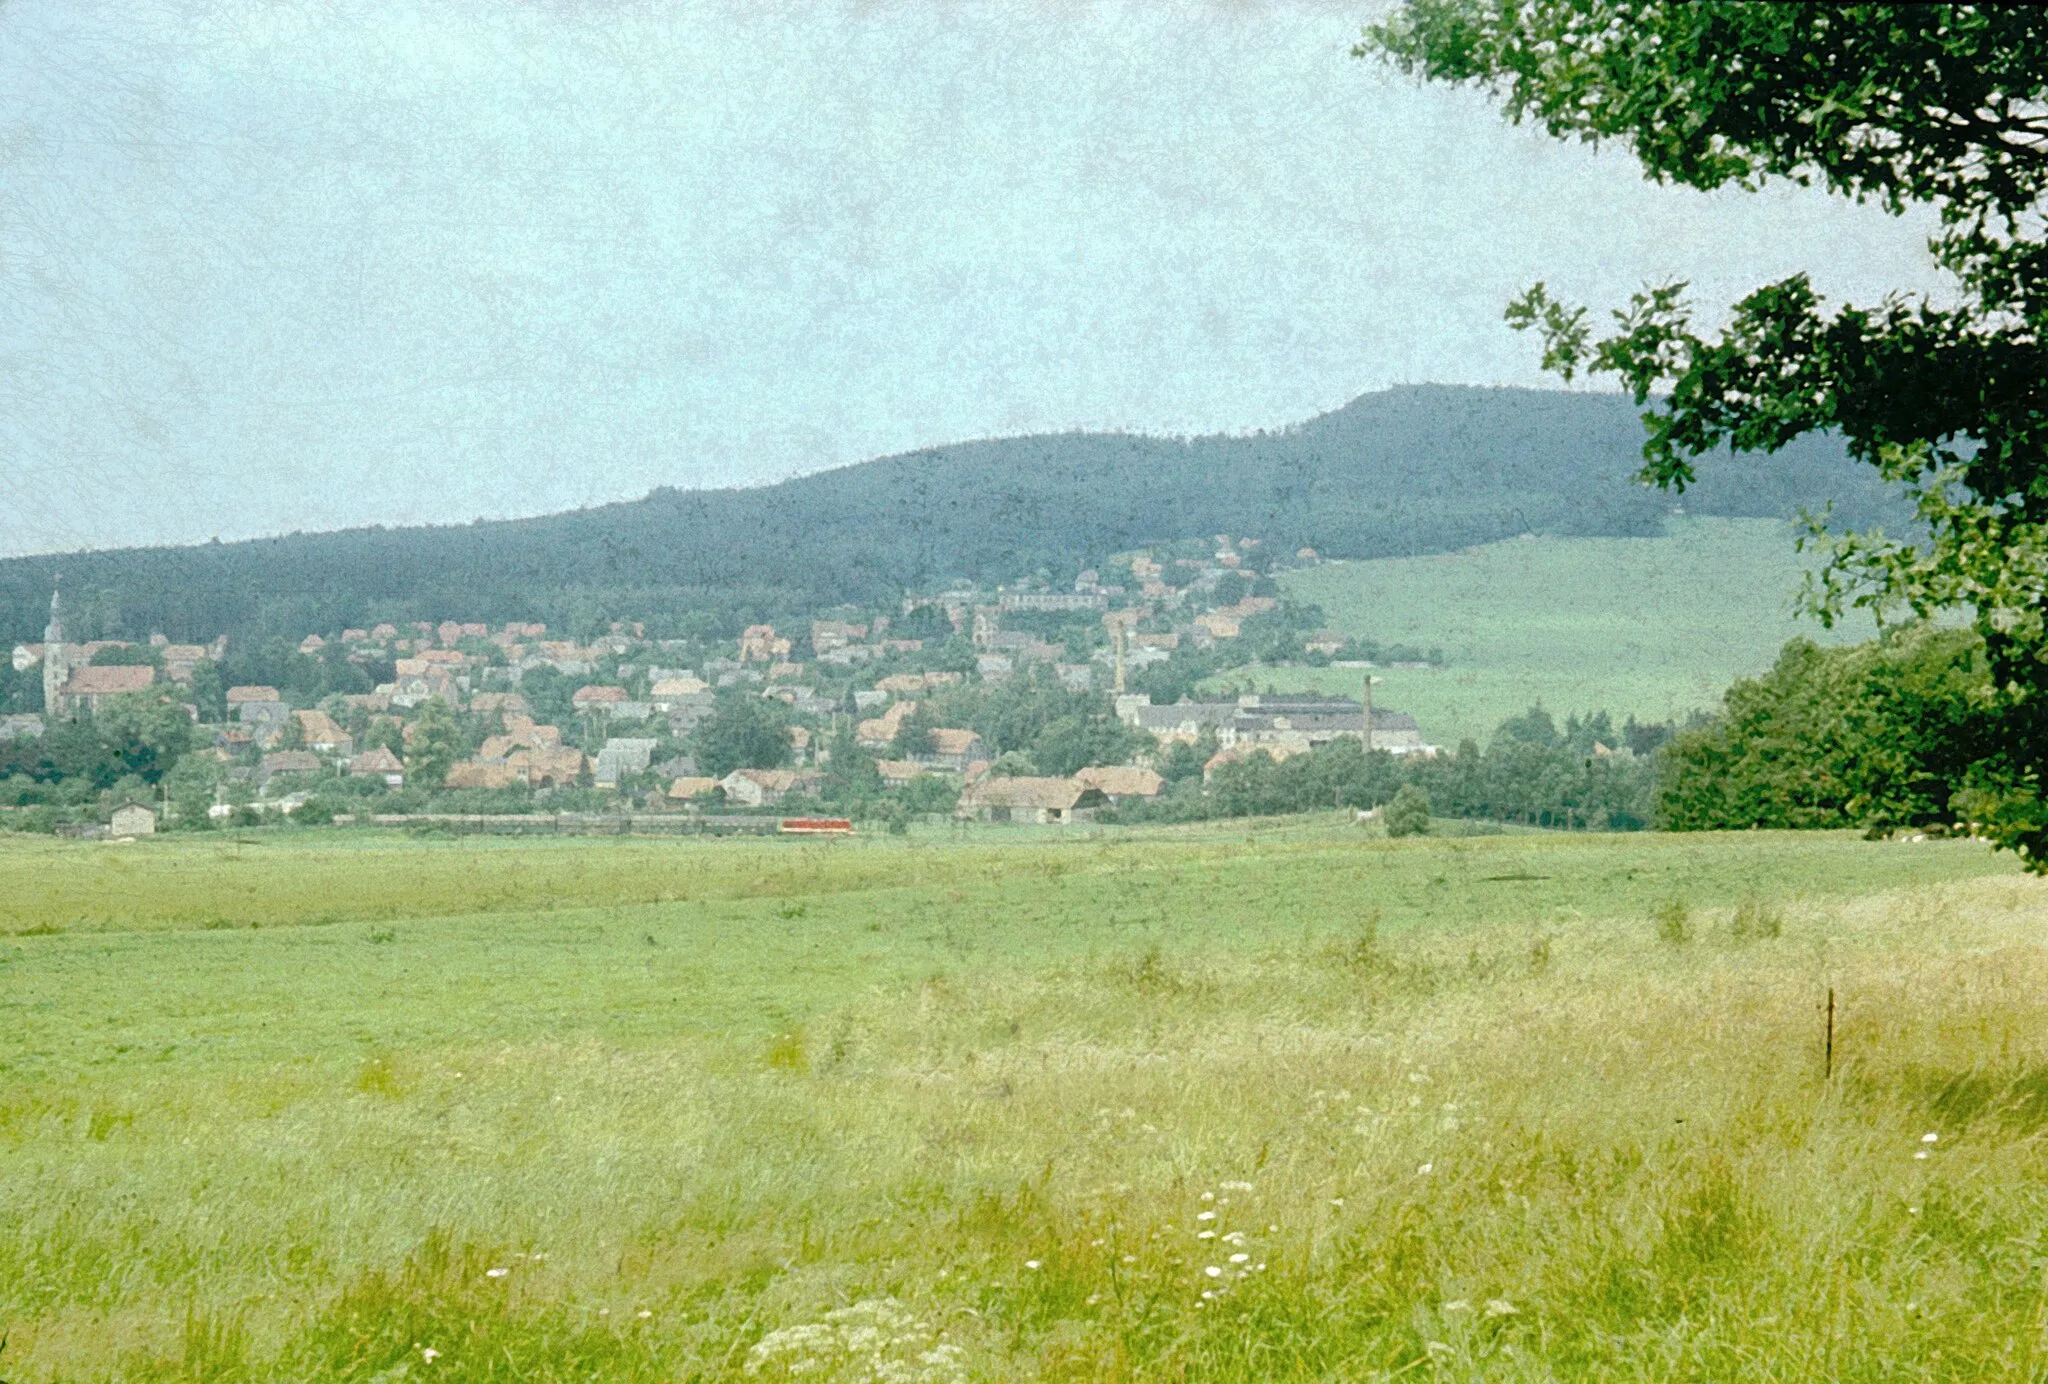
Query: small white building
133	819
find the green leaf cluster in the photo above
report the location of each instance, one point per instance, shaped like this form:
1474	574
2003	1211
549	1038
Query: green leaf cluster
1885	735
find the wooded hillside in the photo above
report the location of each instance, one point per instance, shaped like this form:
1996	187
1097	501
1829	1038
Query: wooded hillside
1407	471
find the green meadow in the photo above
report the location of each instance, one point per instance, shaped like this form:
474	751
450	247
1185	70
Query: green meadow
1283	1101
1654	627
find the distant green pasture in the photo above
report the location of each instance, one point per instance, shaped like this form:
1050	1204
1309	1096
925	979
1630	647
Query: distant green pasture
1657	627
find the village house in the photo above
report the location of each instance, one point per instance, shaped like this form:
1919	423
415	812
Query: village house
759	644
287	762
1042	800
596	698
1232	754
915	682
953	749
181	661
472	773
879	733
688	786
1296	723
620	757
88	687
760	787
258	709
320	733
827	635
1122	782
132	819
24	726
666	694
551	768
502	703
312	644
897	772
379	762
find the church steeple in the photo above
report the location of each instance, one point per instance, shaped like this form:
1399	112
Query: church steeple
56	659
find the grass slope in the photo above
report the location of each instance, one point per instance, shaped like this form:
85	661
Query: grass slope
1654	626
659	1111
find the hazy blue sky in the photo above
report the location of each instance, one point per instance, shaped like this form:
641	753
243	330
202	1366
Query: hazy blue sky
285	264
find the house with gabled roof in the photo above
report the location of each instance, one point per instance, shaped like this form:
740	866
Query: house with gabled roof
1056	801
87	687
378	762
1119	782
954	749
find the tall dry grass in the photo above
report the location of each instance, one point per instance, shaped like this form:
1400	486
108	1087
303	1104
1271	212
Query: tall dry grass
1496	1152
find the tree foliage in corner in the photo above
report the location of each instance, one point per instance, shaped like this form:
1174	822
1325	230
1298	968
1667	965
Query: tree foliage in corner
1938	105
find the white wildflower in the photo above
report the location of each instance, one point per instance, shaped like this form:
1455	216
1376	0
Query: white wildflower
1240	1258
496	1273
1425	1170
1458	1305
1206	1216
1930	1138
429	1354
1214	1271
877	1339
1030	1263
1500	1307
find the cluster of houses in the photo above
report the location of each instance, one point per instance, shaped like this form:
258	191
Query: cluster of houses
634	699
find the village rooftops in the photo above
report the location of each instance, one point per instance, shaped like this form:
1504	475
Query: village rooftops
1028	799
376	760
1122	780
252	693
104	680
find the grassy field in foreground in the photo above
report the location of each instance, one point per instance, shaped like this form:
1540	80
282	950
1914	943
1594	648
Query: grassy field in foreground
1657	627
1270	1103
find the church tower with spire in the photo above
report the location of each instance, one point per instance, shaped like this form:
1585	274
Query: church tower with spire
56	661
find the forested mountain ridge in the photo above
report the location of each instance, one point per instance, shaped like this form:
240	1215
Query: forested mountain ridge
1406	471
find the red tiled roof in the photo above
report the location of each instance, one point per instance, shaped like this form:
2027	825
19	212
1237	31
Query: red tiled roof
103	680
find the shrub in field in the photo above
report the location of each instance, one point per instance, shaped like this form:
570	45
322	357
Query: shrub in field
1674	922
1755	919
786	1053
1408	813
